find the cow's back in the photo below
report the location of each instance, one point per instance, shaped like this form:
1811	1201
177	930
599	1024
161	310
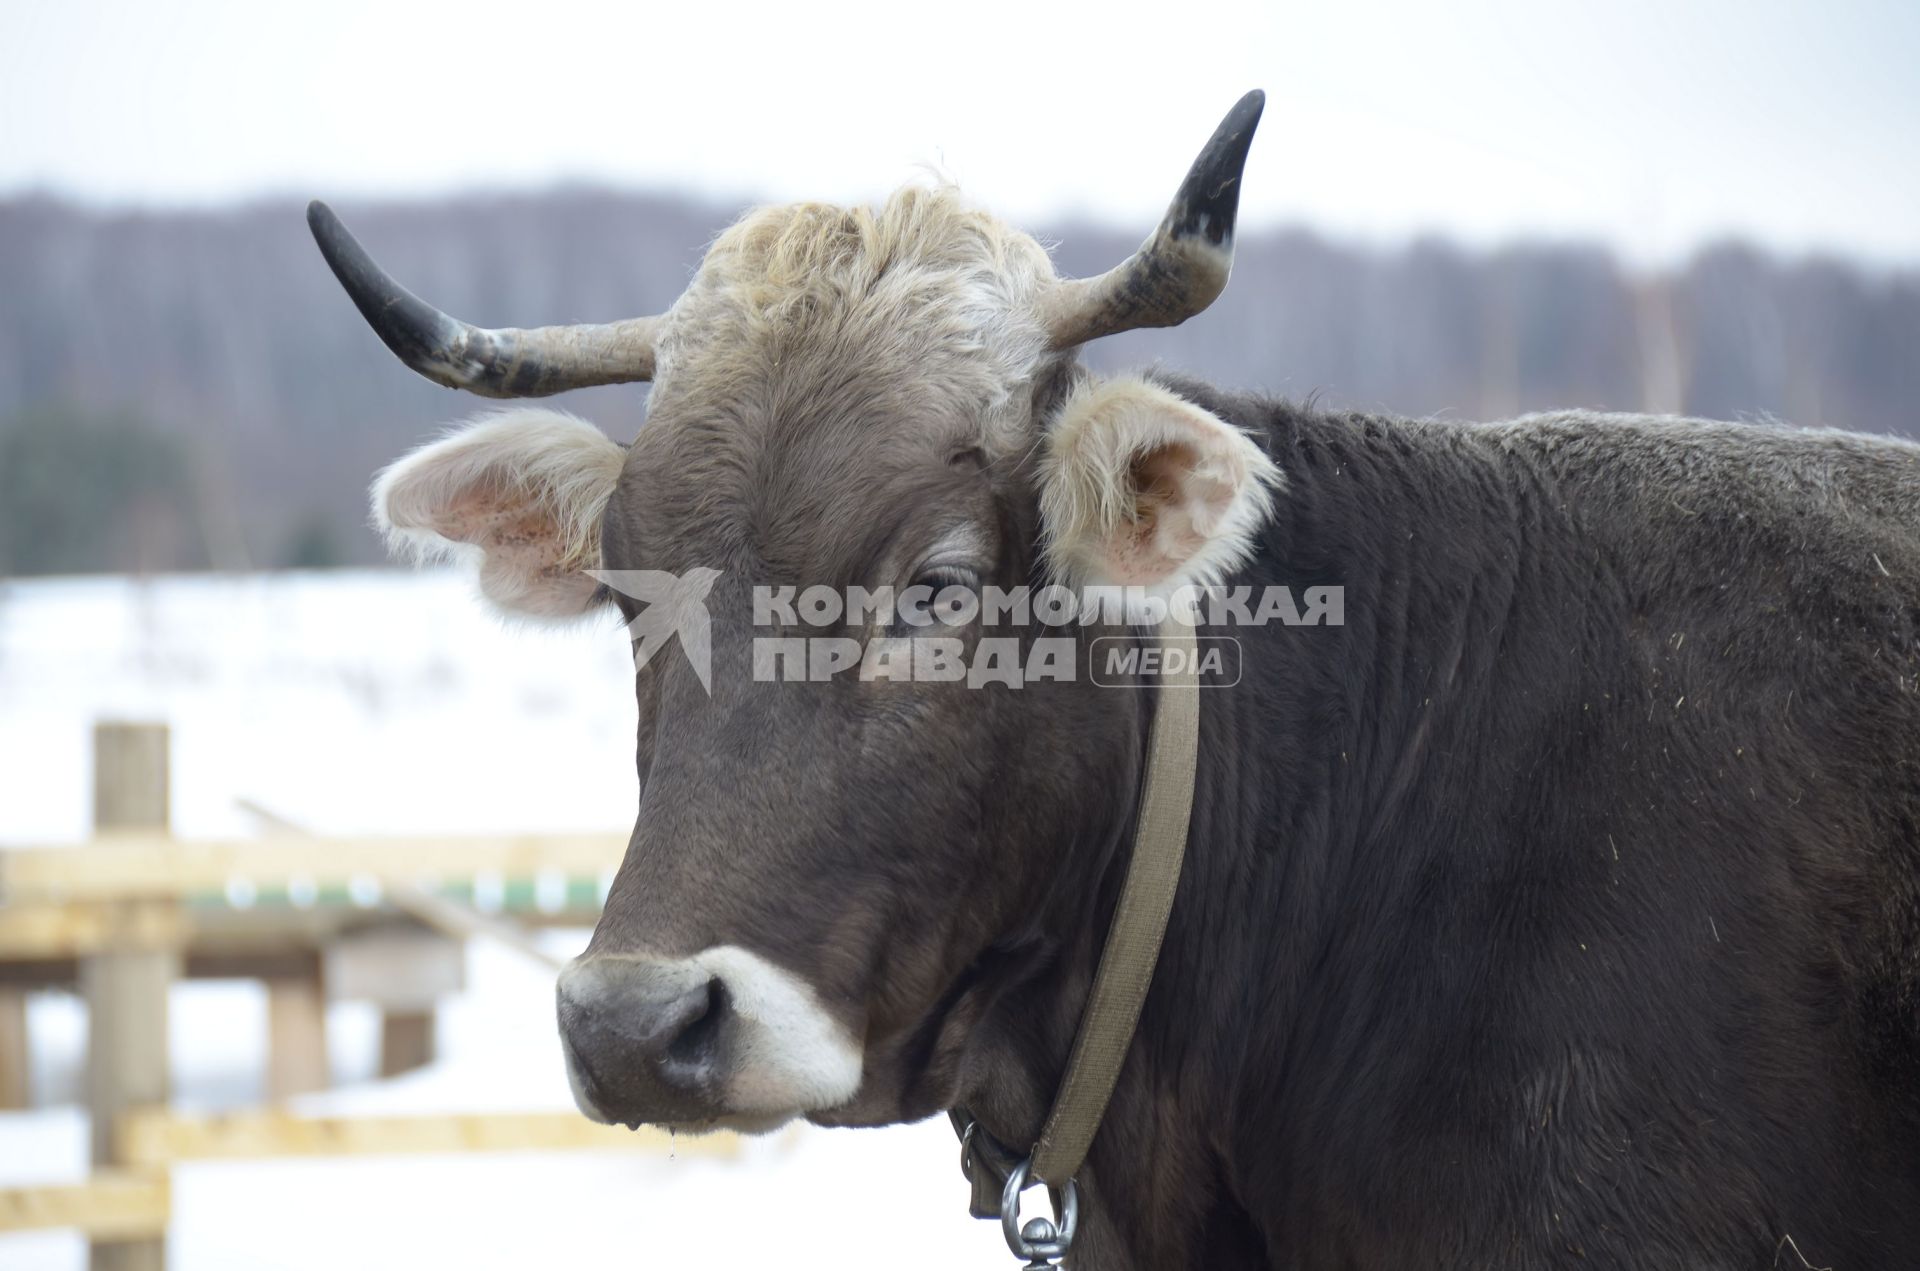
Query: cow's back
1621	851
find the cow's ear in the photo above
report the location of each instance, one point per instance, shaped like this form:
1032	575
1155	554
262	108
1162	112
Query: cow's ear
524	491
1142	488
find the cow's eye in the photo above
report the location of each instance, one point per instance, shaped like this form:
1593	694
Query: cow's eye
938	578
941	595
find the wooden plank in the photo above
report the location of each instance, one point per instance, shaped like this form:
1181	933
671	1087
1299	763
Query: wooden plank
37	933
126	982
285	960
157	1137
13	1048
296	1036
117	1205
40	940
46	932
435	910
156	866
216	925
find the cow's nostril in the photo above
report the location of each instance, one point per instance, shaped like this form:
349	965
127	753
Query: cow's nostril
647	1041
699	1035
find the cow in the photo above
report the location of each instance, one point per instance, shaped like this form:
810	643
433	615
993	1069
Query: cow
1557	906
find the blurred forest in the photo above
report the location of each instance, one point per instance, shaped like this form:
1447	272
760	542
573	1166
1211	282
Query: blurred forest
192	390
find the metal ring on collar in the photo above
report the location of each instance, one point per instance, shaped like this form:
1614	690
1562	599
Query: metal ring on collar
1041	1242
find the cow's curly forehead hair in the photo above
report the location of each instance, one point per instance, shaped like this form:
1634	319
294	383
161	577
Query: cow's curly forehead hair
923	290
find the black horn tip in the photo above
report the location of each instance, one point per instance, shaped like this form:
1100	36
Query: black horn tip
363	280
1209	198
335	243
417	333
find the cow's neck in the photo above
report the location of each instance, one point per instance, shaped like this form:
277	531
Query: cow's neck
1274	868
1152	1152
1036	1014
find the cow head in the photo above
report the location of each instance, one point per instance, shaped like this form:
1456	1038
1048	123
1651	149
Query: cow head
828	878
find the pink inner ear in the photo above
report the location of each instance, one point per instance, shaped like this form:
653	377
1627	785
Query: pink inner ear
524	569
1173	508
492	517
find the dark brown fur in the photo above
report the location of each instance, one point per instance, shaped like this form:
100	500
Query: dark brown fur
1561	908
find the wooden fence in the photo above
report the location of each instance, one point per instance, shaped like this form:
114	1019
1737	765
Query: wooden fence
124	917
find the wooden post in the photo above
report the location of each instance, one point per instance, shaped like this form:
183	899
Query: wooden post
296	1036
125	983
406	1041
13	1048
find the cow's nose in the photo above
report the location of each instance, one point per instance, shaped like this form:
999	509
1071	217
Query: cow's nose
645	1040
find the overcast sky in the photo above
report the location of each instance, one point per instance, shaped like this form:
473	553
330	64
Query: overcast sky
1650	124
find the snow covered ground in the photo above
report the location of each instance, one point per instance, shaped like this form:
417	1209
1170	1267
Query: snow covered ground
392	703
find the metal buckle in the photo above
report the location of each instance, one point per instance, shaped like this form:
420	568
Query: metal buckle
1041	1242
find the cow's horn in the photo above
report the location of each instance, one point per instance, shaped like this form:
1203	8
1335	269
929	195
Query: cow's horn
500	362
1184	266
